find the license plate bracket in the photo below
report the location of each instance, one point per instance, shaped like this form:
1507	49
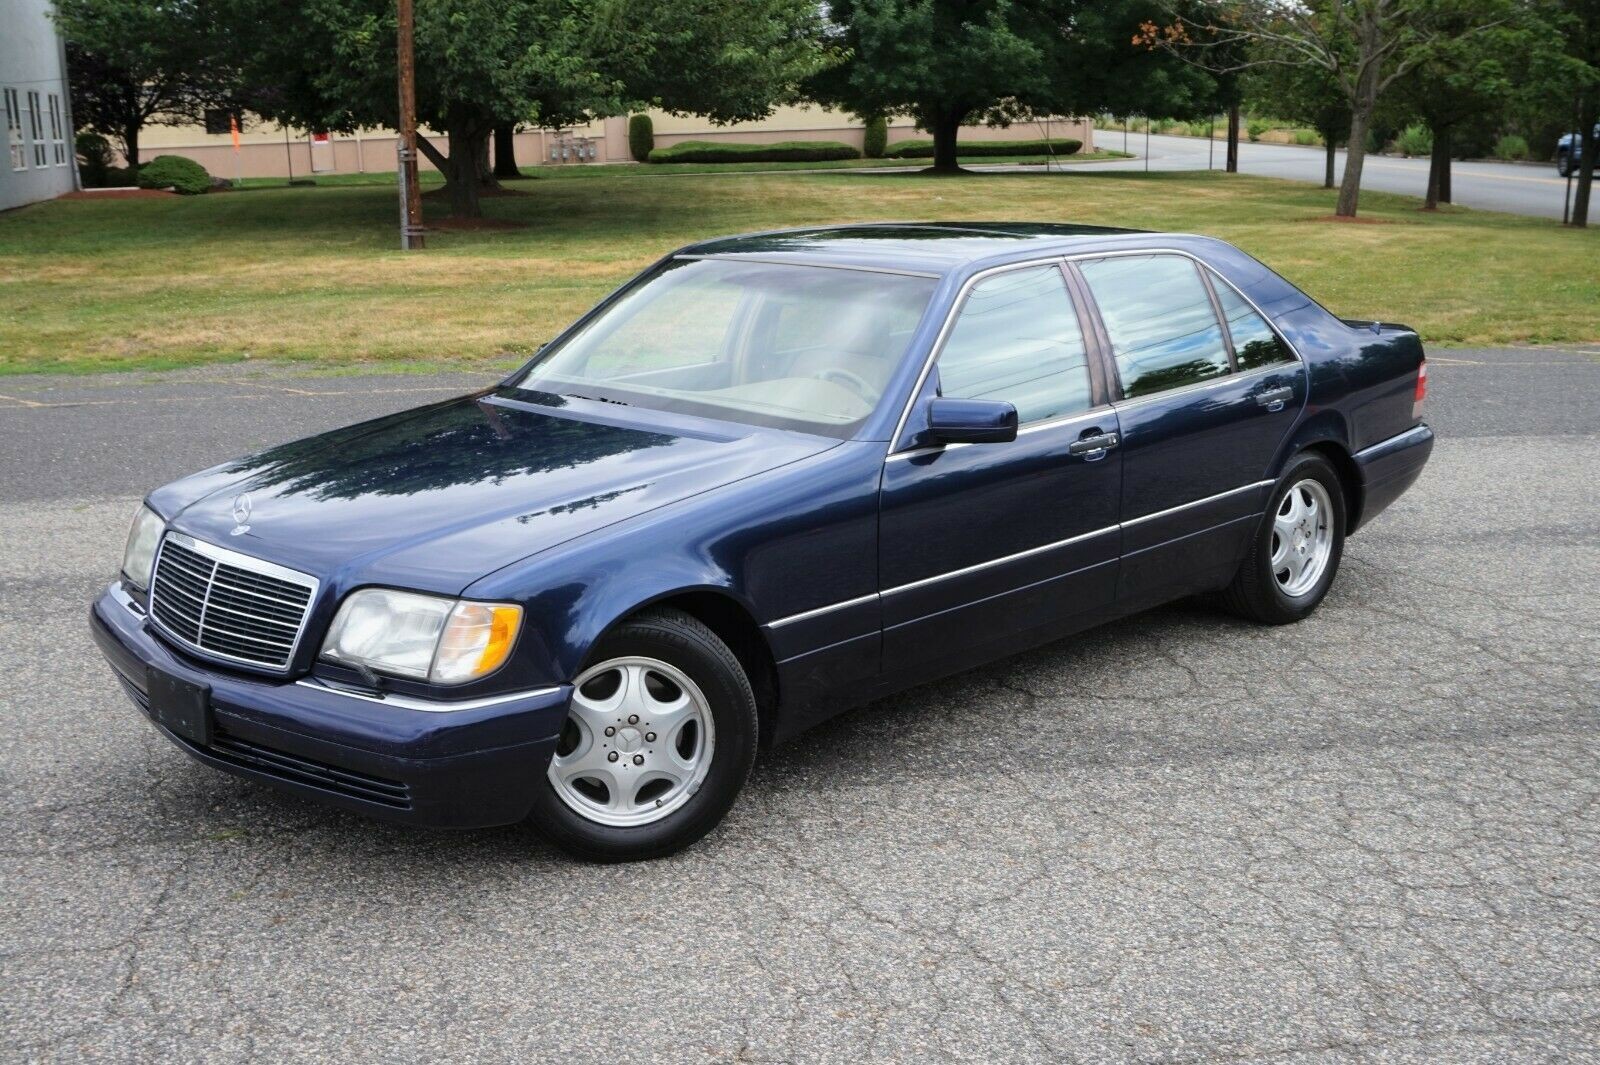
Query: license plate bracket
180	706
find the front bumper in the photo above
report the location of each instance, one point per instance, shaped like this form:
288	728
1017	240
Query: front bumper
464	768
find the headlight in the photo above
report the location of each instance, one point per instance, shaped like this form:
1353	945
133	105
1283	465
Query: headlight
444	641
140	554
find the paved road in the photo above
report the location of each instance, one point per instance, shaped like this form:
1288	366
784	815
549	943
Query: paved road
1510	187
1374	836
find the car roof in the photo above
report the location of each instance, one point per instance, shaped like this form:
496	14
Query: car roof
935	248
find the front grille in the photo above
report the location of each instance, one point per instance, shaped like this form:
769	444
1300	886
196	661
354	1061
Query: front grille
228	605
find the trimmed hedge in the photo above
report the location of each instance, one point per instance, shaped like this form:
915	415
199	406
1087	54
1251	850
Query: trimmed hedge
184	176
641	137
972	149
730	152
875	137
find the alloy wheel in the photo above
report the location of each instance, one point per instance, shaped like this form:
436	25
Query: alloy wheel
637	743
1302	538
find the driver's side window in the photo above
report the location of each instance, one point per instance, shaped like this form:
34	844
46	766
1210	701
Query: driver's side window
1017	339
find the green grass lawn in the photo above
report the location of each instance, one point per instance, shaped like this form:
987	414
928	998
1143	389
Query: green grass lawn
313	273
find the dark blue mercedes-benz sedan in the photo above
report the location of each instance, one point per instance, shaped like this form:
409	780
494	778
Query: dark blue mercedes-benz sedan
773	477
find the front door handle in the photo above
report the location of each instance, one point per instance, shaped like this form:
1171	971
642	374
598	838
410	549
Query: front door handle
1093	447
1274	398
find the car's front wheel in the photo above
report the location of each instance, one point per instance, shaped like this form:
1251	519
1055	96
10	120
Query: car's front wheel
1564	164
659	738
1296	551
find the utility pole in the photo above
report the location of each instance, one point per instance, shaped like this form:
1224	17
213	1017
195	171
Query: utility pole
406	146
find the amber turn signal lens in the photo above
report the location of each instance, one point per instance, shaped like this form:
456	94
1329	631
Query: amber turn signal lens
476	641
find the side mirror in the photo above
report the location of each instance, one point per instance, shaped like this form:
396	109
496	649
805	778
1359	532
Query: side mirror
972	421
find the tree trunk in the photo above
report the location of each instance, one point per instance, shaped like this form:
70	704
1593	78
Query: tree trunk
505	152
461	169
1355	155
946	130
1330	157
1586	163
1438	165
1232	166
1448	135
130	144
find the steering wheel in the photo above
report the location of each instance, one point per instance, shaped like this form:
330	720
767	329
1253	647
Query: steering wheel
851	381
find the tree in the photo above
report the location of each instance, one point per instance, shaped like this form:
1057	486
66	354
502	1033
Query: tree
948	63
137	62
483	64
1578	24
1365	45
1307	94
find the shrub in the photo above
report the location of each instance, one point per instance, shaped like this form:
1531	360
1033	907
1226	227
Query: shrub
641	138
924	149
1414	140
1200	129
1306	137
1255	128
94	159
875	138
1511	146
184	176
733	152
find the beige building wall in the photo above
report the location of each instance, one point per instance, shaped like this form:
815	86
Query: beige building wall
265	151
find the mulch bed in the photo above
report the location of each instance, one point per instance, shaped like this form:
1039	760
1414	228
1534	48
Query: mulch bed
115	194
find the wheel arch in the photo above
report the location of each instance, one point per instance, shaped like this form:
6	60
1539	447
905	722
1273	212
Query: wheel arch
730	618
1327	435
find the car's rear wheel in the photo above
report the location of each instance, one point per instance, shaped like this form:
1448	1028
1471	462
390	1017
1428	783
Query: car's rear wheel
1564	164
1296	551
659	738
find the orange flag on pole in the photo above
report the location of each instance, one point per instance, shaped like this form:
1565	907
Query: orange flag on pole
233	128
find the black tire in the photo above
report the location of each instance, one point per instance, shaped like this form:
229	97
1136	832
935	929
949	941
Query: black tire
683	642
1255	593
1564	165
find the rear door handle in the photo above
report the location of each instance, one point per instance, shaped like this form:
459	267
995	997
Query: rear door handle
1093	447
1274	398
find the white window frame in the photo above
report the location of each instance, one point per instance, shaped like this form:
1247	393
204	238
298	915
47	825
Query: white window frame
58	140
19	147
36	129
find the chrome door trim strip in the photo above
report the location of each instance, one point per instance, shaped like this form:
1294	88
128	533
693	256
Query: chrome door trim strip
1201	386
778	260
999	561
1195	503
806	615
408	702
976	567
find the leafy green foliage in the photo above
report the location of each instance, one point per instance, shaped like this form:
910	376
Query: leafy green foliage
730	152
1415	139
183	176
94	158
923	149
1255	128
875	137
137	62
947	63
641	137
1511	148
330	64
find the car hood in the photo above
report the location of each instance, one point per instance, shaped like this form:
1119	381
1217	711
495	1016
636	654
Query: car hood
436	498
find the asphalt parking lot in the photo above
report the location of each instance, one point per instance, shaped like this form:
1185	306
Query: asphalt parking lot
1373	836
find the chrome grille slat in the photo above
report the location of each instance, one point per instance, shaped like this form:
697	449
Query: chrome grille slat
227	605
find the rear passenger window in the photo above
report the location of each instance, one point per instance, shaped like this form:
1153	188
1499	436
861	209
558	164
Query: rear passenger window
1164	332
1254	343
1017	339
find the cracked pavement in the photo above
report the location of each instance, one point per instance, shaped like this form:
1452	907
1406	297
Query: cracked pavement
1373	836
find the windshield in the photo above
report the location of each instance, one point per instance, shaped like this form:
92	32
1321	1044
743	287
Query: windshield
801	347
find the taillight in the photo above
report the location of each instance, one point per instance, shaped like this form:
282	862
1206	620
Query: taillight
1422	389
